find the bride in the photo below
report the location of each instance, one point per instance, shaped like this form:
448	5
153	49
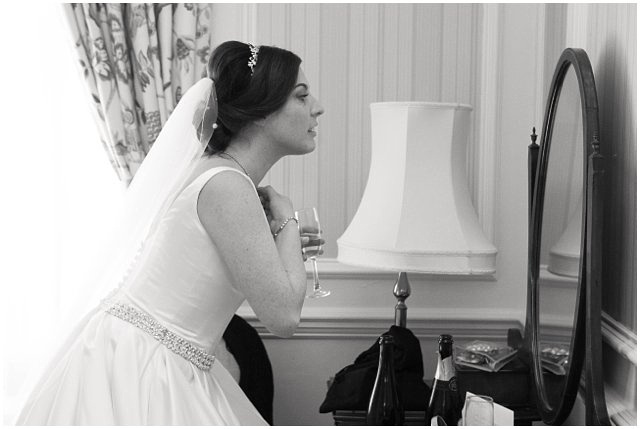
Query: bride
199	238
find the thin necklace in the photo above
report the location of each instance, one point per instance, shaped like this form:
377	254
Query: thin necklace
236	161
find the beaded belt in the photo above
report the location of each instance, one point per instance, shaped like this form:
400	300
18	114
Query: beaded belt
172	341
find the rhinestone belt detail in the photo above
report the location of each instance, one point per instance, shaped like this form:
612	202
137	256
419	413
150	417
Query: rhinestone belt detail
172	341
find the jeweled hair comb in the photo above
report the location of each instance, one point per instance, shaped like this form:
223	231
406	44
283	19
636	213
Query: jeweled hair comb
253	60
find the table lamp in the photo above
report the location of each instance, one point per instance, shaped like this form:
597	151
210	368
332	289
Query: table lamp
416	213
564	256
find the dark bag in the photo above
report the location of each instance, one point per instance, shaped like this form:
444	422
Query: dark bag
256	376
352	385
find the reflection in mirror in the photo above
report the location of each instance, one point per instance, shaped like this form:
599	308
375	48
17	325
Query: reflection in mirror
561	236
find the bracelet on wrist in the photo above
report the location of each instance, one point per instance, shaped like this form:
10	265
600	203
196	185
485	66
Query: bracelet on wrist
281	227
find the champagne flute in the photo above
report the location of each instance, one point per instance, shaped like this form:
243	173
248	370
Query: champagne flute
478	411
310	227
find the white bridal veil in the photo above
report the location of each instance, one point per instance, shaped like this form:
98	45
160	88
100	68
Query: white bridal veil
157	183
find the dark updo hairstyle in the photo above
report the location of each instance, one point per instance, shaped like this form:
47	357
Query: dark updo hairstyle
243	98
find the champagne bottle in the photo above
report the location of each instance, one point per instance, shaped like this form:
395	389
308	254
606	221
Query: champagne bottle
445	401
385	408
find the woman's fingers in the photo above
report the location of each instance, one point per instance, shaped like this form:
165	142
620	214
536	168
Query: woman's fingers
304	257
308	229
316	242
267	191
309	242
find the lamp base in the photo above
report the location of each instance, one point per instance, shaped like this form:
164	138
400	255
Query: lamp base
402	291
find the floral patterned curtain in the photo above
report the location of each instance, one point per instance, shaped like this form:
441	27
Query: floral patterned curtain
137	60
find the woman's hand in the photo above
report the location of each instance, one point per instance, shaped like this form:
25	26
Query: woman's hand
277	207
308	242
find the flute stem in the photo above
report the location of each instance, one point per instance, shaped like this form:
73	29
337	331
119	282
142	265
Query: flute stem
316	280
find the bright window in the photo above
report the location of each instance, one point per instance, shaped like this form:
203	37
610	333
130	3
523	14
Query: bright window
58	191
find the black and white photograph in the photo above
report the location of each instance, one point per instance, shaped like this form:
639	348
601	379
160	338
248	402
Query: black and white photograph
319	214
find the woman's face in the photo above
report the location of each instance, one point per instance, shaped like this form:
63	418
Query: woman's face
294	126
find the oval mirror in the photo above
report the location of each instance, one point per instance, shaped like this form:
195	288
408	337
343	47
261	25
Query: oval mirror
558	262
560	240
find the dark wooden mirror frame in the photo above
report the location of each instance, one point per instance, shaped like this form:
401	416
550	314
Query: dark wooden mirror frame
586	344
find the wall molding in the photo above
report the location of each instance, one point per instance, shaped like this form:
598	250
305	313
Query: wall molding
624	342
339	323
577	25
540	52
489	116
620	338
618	409
331	268
249	21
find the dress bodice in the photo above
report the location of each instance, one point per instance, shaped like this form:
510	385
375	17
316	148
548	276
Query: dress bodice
181	279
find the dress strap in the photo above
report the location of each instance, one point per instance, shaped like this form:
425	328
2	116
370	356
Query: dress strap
199	182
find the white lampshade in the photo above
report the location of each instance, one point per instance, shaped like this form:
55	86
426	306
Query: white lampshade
416	213
564	256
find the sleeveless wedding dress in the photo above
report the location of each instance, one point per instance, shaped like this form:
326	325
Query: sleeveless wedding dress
145	356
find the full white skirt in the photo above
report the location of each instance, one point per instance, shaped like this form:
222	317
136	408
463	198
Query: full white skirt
110	372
